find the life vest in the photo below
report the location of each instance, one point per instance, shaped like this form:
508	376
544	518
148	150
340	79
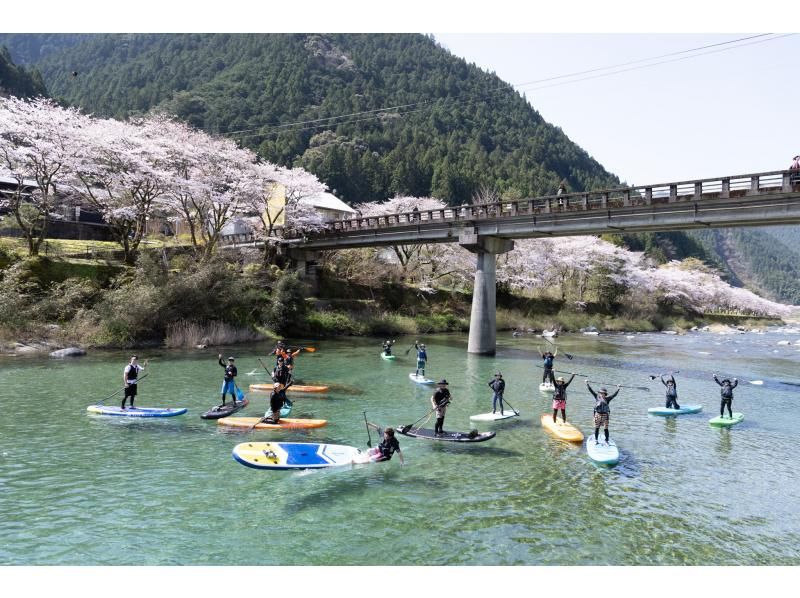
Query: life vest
132	373
441	396
600	405
560	392
672	391
726	391
230	372
548	361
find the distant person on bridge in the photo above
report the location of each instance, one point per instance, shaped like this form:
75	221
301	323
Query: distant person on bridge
726	393
415	214
562	190
795	178
548	359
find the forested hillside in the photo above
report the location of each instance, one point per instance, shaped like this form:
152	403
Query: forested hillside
373	116
16	80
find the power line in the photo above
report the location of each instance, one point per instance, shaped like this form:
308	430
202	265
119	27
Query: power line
425	104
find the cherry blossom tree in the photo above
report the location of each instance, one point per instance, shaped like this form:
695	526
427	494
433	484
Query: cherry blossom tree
37	150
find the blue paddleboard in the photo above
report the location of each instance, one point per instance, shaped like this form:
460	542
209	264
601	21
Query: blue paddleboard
683	410
136	411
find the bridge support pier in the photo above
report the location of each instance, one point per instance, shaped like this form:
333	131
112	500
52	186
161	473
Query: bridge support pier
305	263
483	317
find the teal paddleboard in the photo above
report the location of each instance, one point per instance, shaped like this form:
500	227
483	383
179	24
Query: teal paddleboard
388	357
727	422
683	410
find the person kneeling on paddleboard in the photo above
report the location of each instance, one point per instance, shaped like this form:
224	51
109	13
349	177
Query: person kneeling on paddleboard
422	357
439	401
548	358
560	397
276	400
498	386
130	376
726	393
228	383
386	448
387	347
672	392
601	409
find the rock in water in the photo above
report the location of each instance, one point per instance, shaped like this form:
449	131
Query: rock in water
68	352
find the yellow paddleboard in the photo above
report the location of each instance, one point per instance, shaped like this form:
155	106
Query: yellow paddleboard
561	430
286	423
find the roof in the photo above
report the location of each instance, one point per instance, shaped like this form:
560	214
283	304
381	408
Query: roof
327	201
5	180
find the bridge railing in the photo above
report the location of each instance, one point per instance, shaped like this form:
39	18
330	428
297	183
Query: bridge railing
634	196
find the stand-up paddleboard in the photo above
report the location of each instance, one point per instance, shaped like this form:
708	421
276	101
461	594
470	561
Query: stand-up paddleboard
136	411
601	451
726	422
564	431
225	410
388	357
493	417
249	423
296	455
473	436
420	379
546	387
292	388
667	412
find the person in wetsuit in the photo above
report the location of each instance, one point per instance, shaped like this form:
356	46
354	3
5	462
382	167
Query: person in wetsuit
548	359
672	392
560	397
439	401
498	386
228	382
422	357
726	394
276	400
387	347
130	376
386	448
601	409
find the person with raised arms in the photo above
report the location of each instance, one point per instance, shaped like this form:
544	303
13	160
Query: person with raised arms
602	411
498	386
726	394
548	359
228	382
387	347
672	392
560	397
130	376
439	401
422	357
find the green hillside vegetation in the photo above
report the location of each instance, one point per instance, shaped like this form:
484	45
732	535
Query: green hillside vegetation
460	130
16	80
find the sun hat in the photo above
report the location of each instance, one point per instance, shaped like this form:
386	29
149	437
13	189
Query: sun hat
442	382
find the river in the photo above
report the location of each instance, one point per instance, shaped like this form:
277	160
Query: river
79	489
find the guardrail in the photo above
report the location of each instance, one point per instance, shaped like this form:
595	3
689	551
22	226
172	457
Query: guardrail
729	187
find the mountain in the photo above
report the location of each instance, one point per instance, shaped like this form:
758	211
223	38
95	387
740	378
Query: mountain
16	80
373	116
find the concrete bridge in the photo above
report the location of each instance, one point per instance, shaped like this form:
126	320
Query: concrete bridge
760	199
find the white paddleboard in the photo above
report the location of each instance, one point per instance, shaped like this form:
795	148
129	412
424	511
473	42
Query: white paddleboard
420	379
491	417
547	387
602	451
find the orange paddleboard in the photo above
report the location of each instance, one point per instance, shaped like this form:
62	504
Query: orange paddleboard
292	388
285	423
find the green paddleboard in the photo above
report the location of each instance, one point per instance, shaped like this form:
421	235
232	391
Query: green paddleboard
726	422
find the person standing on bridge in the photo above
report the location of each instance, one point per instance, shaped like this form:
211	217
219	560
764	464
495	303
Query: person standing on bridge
562	190
795	168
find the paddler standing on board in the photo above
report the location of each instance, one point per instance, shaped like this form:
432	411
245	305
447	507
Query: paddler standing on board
601	409
130	376
560	397
726	393
422	357
672	391
387	347
281	373
498	386
228	382
439	401
548	359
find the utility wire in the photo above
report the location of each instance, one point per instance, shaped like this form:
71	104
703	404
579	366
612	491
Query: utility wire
374	113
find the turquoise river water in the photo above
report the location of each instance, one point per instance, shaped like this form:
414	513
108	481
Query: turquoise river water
78	489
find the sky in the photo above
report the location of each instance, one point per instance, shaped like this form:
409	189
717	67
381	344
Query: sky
727	112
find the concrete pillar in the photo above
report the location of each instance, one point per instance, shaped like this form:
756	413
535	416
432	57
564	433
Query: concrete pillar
305	265
483	317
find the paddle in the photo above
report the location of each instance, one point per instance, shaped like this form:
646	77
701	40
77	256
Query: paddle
366	423
620	385
309	349
512	407
555	345
100	402
408	427
265	367
653	377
